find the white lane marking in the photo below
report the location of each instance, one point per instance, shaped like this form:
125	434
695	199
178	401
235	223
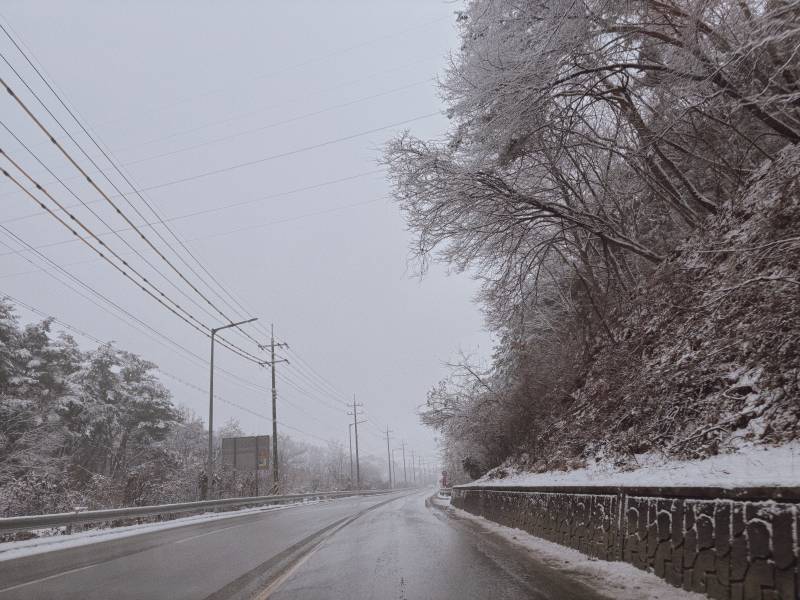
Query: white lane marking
277	583
199	535
22	585
269	590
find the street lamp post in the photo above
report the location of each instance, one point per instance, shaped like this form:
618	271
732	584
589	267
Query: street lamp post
210	475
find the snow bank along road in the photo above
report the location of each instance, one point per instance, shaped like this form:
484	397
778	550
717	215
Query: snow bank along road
352	548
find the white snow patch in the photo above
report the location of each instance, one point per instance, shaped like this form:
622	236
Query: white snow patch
617	580
14	550
749	466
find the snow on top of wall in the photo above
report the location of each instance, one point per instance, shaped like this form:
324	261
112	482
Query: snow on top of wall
749	466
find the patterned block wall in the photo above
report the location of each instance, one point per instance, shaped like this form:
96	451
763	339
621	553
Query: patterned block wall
730	549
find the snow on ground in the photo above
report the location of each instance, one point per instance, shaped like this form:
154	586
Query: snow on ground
750	465
13	550
617	580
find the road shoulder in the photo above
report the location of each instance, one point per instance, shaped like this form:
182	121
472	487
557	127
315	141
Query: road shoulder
614	580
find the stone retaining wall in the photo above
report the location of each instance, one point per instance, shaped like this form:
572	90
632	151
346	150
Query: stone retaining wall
739	544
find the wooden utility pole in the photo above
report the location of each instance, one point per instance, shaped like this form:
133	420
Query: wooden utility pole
272	363
389	456
355	414
350	441
405	476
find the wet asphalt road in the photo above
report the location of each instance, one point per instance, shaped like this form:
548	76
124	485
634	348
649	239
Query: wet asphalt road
406	550
388	547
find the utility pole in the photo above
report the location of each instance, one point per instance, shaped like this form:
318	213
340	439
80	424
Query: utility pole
389	456
405	477
355	414
272	362
210	469
413	468
350	441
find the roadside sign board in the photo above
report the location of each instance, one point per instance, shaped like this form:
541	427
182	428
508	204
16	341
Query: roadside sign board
250	453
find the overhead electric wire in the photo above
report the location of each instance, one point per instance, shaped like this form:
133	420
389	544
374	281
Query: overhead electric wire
98	341
327	56
203	362
300	359
271	157
90	289
314	387
98	217
282	376
97	187
212	209
97	145
284	102
300	389
101	254
279	221
289	381
253	130
309	380
159	220
94	141
240	407
245	383
44	315
157	295
186	249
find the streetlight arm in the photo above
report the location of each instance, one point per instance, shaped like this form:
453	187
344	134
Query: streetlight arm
221	327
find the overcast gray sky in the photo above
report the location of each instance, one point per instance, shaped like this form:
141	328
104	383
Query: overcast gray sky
177	90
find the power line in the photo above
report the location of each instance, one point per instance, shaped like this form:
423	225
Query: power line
304	96
326	382
240	407
176	378
270	157
92	182
314	386
86	132
44	315
287	380
270	125
235	378
92	291
206	210
138	192
127	180
99	218
322	58
157	294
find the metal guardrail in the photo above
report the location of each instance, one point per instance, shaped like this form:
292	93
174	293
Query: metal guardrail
12	524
